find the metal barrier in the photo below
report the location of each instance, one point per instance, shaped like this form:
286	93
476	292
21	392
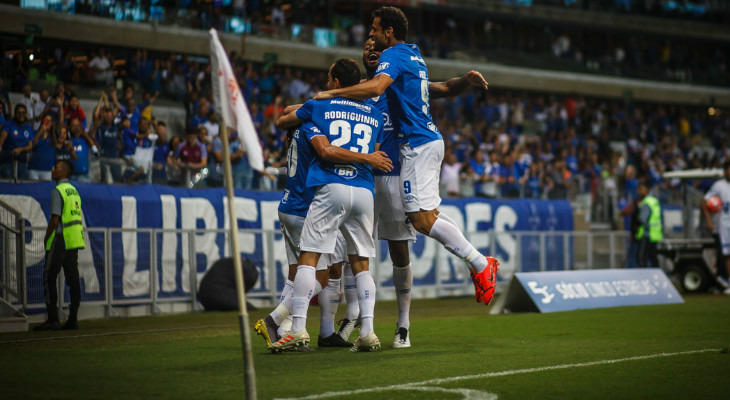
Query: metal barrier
152	267
12	271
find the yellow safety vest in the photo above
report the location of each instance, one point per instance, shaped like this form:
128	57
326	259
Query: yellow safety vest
655	220
71	221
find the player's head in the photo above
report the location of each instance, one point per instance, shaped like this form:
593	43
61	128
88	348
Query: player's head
643	188
370	57
389	27
726	169
62	170
343	73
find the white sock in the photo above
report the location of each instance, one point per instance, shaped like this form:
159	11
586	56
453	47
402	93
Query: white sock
329	299
288	286
366	298
403	280
449	235
285	326
304	287
353	308
284	309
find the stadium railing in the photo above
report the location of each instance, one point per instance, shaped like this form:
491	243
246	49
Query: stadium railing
12	259
155	268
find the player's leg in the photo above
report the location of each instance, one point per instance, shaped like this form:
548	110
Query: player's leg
329	300
319	236
352	310
358	232
278	322
393	226
420	170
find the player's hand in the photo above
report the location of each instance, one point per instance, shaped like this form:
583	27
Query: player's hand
380	161
475	78
710	226
326	95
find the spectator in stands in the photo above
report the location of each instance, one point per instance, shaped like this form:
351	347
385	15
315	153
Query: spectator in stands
29	99
16	143
173	166
200	117
467	179
162	150
82	144
143	153
5	104
509	176
39	107
63	147
103	69
127	137
211	125
450	175
490	176
192	154
43	158
145	107
74	110
533	180
556	182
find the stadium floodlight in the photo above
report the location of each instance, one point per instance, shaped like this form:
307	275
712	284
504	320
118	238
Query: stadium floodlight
231	106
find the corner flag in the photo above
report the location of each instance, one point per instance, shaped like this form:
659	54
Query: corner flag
229	101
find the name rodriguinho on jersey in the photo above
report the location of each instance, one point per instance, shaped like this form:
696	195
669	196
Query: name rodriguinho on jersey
351	116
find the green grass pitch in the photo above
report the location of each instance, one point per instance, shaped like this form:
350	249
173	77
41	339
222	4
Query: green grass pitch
459	352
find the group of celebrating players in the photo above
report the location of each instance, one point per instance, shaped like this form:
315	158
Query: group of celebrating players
365	156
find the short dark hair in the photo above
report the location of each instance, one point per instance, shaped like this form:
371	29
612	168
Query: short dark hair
346	71
161	123
68	165
392	17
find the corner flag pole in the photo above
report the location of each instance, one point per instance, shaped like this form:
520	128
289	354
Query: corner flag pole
231	105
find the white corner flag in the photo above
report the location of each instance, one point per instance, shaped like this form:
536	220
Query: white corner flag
229	101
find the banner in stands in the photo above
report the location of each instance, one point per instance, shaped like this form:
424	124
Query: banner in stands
574	290
146	217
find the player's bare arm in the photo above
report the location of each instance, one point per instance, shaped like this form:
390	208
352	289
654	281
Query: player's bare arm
378	160
456	86
362	91
288	120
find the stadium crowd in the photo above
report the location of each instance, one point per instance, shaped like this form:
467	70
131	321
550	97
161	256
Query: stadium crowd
459	35
499	144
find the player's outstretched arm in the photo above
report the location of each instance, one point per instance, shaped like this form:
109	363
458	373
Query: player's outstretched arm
456	86
287	121
362	91
326	151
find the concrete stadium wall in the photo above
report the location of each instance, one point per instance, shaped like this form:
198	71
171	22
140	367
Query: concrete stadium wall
105	32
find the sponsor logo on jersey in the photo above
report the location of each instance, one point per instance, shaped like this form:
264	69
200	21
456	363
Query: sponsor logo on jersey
382	66
346	171
419	59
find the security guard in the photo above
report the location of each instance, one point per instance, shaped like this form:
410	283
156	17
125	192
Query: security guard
63	241
650	230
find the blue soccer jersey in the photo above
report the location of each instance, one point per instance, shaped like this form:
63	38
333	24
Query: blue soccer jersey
349	124
297	196
389	141
408	96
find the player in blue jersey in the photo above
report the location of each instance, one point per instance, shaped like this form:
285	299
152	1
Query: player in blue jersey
292	212
390	217
343	201
402	75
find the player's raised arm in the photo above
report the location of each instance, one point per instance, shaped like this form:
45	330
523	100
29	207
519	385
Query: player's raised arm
362	91
456	86
326	151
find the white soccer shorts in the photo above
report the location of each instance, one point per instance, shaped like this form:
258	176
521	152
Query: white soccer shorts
390	217
342	208
291	227
419	176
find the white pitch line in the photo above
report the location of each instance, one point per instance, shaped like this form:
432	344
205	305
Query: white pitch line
440	381
91	335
